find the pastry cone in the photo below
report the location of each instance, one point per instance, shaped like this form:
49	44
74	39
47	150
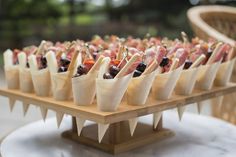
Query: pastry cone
11	71
206	75
41	78
224	73
111	91
164	84
139	88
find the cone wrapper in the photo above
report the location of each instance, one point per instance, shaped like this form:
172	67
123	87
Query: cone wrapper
180	110
224	73
26	83
25	108
186	81
111	91
156	119
132	125
42	82
165	83
185	86
12	76
206	76
102	128
139	88
80	124
60	91
84	89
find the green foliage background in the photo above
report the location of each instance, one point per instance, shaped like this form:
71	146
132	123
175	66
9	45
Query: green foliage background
26	22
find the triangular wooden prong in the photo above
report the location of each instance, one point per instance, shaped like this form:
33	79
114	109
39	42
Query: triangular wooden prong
11	103
44	112
80	124
180	110
132	125
199	107
156	118
102	128
25	107
59	117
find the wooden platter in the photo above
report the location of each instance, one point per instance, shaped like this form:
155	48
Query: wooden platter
117	139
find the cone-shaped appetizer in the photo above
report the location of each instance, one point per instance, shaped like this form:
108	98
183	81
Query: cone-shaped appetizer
105	83
11	69
26	84
61	80
40	75
84	81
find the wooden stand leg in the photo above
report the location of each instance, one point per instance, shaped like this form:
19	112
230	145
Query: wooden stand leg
117	138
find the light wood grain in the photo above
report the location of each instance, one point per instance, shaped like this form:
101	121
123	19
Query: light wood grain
118	139
124	112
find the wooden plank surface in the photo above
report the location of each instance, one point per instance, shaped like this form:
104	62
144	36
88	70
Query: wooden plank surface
124	112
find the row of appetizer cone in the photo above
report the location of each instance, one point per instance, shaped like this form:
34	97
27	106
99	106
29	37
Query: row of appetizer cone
107	71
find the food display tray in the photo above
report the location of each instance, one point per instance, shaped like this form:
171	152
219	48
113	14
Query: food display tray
117	139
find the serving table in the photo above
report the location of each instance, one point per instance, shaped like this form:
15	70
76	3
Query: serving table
117	139
193	138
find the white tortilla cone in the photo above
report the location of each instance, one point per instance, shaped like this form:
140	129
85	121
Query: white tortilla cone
156	119
139	88
224	73
164	84
80	124
111	91
12	76
26	83
206	75
60	91
102	128
132	125
84	89
42	82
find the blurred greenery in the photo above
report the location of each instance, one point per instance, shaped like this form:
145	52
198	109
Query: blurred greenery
26	22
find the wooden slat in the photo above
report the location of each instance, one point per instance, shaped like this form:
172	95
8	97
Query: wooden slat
124	111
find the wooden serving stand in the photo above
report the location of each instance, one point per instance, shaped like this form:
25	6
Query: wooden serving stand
117	138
